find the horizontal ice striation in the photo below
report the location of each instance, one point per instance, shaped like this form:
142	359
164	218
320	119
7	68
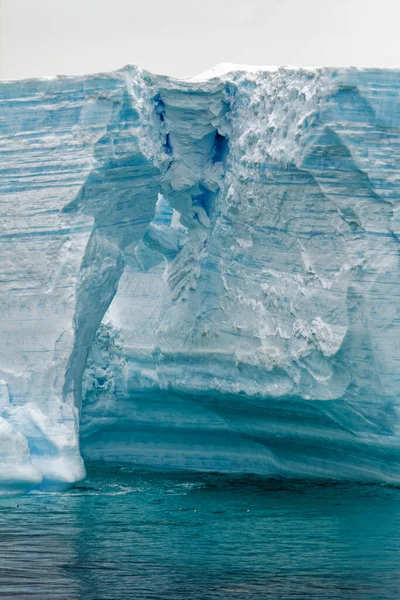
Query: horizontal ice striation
201	274
76	191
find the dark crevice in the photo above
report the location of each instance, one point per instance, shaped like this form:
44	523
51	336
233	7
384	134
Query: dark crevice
167	144
159	109
221	148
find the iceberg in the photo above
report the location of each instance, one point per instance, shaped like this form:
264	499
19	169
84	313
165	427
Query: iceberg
200	274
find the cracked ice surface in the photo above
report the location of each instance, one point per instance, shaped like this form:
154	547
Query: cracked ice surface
200	273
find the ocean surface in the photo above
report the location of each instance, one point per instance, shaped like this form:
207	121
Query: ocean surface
126	534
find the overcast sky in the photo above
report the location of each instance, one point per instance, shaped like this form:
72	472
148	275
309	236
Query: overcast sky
187	37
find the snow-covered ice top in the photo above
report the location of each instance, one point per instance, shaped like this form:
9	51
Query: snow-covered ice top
200	273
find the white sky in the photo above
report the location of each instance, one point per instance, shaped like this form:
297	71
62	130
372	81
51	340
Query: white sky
187	37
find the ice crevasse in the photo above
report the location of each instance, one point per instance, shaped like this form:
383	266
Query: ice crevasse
200	274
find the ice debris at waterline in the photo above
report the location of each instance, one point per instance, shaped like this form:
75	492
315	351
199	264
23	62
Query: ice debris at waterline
200	273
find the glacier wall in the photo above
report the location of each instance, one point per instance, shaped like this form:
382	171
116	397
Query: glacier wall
200	274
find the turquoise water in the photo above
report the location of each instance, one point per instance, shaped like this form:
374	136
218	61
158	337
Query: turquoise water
126	534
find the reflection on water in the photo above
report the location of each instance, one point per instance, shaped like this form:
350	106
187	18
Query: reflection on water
134	535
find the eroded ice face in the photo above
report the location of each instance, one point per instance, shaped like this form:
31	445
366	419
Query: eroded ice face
201	274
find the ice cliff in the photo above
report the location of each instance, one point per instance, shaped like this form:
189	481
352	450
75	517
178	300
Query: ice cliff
200	274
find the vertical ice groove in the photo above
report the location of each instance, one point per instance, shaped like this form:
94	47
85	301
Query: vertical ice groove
120	194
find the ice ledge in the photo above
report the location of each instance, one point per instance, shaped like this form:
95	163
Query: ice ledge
220	71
